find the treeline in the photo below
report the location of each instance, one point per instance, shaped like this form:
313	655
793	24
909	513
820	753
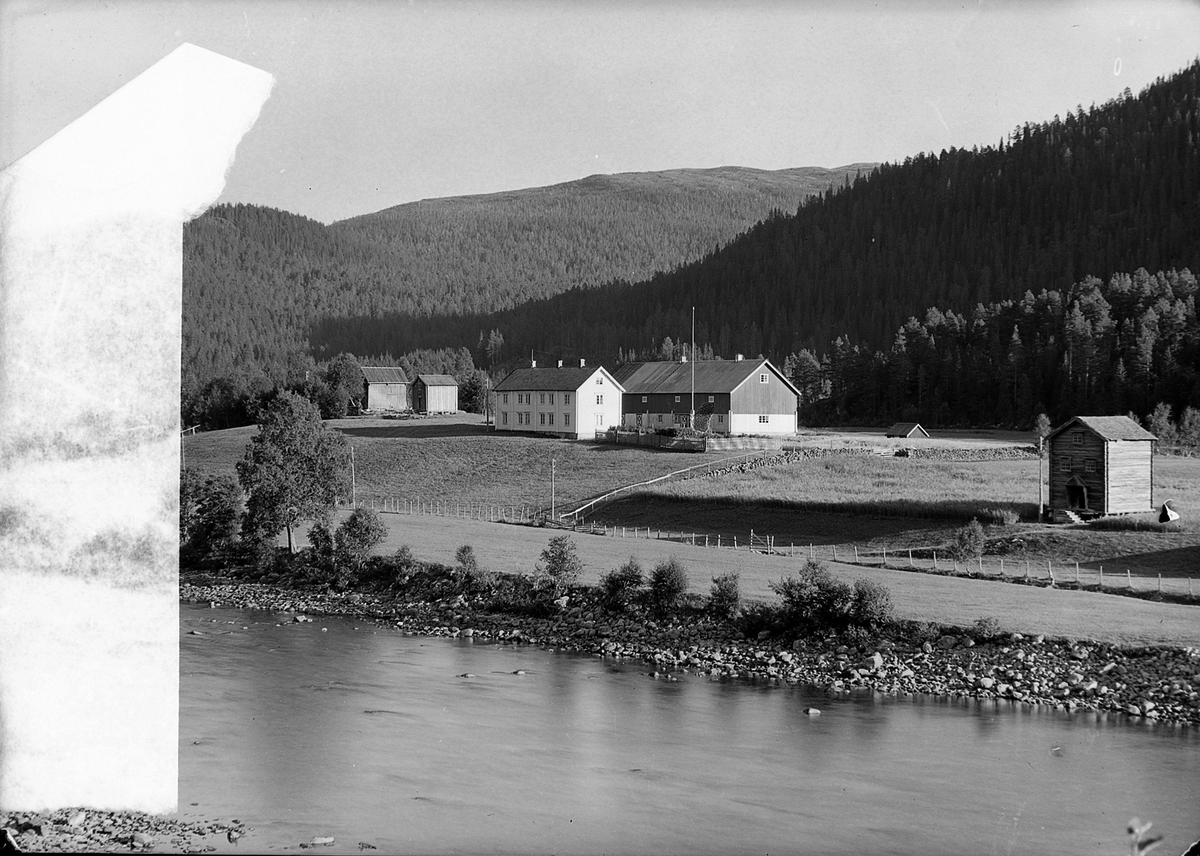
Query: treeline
257	279
335	386
1125	345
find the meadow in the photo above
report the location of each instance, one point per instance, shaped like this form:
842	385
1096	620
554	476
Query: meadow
872	501
456	459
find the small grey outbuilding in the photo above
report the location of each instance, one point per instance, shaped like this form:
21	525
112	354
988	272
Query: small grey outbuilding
908	430
435	393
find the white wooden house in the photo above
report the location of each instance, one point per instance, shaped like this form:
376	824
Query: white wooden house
576	402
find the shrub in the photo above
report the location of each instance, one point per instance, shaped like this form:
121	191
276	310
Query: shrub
320	547
620	586
986	628
560	564
210	515
872	605
464	556
356	537
725	598
969	541
814	600
668	582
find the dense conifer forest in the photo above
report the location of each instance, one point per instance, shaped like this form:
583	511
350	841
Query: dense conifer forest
256	279
1050	271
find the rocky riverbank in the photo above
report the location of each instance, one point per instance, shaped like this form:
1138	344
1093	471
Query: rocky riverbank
1141	684
79	830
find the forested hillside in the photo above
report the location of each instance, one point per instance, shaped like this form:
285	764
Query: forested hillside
256	279
1103	193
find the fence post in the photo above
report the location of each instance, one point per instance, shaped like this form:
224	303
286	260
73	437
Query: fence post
1026	569
1128	579
1100	587
835	552
935	567
1189	587
884	557
981	566
734	542
1051	572
910	564
706	540
856	554
1160	583
1002	566
718	540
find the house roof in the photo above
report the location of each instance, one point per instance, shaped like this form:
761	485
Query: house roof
905	429
437	380
383	374
549	379
712	376
1109	427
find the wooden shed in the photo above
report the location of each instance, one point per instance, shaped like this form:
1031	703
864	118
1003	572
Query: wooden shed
384	388
907	429
435	393
1100	465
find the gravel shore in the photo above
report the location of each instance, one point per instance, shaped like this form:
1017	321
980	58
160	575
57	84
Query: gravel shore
80	830
1155	684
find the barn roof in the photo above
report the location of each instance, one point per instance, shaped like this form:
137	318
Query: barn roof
712	376
383	374
548	379
437	380
906	429
1109	427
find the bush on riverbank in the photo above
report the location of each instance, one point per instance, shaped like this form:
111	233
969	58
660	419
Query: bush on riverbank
725	597
620	587
668	582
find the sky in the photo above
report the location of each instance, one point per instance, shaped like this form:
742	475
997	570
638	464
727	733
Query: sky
377	103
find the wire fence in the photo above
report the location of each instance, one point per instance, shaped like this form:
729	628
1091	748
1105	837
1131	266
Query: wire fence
1111	578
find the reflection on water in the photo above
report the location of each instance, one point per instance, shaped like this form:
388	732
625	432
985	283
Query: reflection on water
340	728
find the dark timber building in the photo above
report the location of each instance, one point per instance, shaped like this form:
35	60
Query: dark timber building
1100	465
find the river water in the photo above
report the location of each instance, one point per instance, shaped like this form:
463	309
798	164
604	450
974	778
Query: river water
341	728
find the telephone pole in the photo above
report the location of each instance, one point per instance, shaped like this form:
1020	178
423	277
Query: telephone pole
693	417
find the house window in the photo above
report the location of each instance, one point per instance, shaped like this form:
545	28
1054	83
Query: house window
1076	439
505	398
566	398
645	398
599	420
677	399
660	417
504	417
551	418
599	399
541	398
762	378
552	398
720	419
541	419
566	419
1089	465
711	399
599	381
1064	464
762	420
680	419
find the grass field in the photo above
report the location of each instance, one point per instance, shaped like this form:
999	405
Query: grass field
920	597
872	501
456	459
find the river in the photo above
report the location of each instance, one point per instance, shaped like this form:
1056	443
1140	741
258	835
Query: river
342	728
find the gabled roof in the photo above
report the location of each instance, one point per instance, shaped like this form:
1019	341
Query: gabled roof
437	380
550	379
906	429
1109	427
383	374
712	376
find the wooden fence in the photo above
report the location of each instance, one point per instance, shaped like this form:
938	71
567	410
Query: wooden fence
1049	572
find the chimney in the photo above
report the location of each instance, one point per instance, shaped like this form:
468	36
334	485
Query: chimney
533	363
581	362
740	357
560	364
